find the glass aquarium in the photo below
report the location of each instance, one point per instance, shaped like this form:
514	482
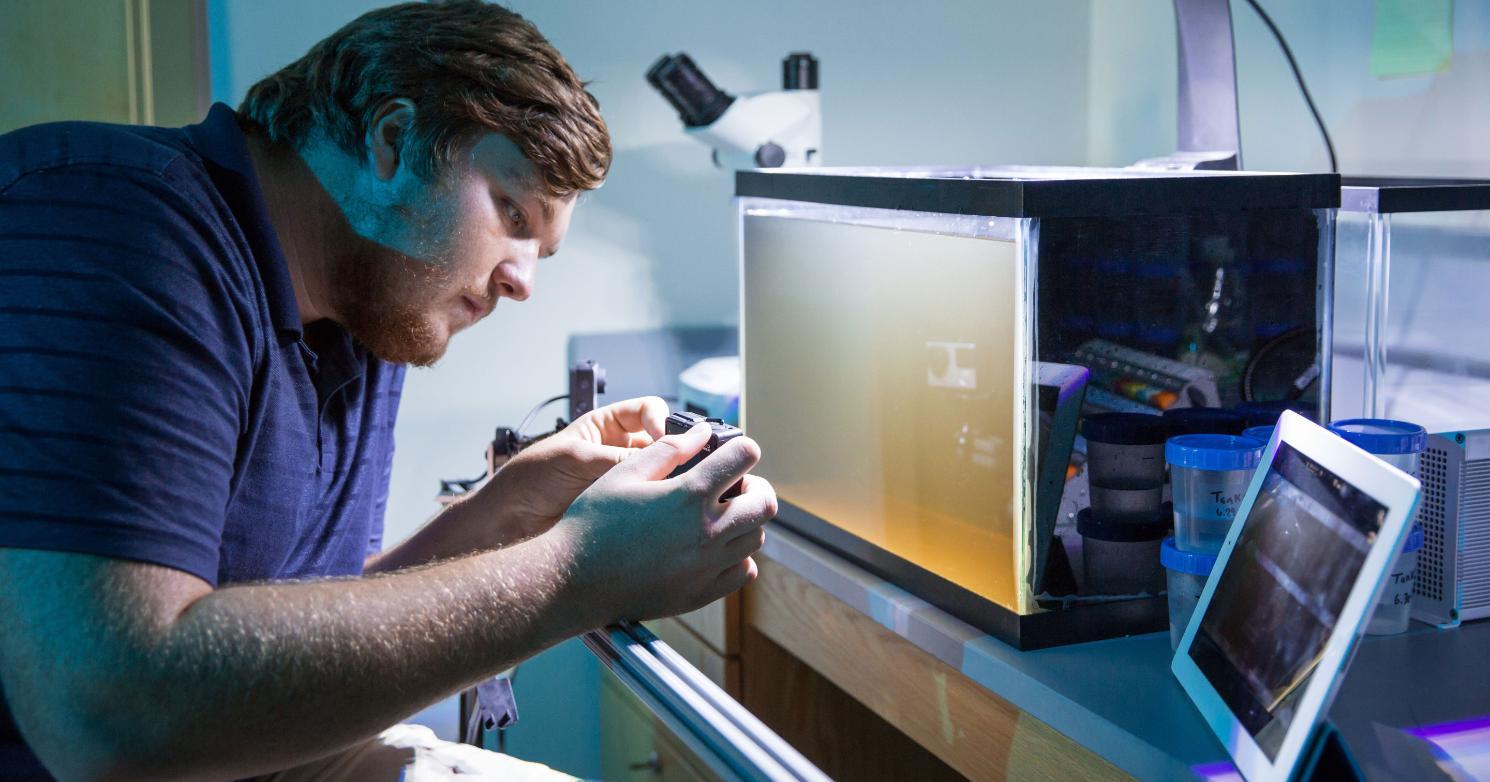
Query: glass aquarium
1412	273
920	348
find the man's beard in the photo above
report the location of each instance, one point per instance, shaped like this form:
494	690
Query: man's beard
383	299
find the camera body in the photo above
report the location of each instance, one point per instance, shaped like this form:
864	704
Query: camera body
719	434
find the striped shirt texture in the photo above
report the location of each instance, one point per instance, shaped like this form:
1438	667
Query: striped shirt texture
159	398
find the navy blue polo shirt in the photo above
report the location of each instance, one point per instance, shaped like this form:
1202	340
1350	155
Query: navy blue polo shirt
159	399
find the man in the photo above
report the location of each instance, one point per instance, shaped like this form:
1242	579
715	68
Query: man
202	334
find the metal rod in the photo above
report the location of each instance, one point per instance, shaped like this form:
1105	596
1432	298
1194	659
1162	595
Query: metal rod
716	729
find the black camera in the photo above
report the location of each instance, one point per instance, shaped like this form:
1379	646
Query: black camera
719	434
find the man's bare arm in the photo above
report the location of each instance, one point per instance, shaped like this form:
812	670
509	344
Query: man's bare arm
122	669
125	670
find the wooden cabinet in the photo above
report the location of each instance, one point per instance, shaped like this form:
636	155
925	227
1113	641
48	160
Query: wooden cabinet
636	747
857	699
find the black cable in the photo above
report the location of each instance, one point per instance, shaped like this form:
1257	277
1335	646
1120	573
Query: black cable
1299	77
1263	353
528	419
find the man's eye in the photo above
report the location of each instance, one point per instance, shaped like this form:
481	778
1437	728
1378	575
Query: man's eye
514	214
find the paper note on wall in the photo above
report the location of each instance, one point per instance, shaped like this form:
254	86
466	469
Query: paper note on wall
1412	37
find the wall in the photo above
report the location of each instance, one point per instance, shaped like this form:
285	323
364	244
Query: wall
1431	125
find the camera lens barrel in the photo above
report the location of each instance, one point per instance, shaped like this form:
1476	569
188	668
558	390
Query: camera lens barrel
689	91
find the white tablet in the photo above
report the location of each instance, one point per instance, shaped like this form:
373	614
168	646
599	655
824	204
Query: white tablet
1292	589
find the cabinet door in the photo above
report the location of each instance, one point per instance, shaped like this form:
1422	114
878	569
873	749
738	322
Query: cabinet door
127	61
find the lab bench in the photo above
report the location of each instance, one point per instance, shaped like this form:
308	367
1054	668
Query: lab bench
1101	710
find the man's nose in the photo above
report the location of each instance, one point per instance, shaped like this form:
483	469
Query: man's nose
514	277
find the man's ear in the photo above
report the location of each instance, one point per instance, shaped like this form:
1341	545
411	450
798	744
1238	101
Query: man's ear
387	135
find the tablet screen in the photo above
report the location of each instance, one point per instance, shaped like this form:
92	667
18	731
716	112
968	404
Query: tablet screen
1282	591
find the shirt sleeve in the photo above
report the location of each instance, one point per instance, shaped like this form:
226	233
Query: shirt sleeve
125	367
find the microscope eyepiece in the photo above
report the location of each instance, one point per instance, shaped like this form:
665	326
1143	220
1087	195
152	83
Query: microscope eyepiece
799	72
686	87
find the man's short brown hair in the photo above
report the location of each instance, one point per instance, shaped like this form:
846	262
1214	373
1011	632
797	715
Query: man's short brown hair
469	68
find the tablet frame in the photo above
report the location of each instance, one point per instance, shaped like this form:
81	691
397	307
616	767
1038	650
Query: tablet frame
1385	484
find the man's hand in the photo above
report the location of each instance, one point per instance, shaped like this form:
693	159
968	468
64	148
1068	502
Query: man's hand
657	546
529	494
533	490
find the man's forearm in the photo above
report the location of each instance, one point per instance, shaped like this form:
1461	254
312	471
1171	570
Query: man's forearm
474	523
255	678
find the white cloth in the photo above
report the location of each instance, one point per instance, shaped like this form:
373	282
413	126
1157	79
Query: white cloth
412	753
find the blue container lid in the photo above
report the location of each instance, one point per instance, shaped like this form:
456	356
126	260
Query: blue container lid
1126	428
1382	435
1205	420
1213	452
1193	562
1414	539
1261	433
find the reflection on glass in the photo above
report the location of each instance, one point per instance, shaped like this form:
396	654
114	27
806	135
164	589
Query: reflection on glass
881	368
1415	321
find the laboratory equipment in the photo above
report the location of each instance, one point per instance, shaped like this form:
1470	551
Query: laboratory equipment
1185	576
1453	580
1393	612
893	322
1125	465
1209	474
1121	557
719	434
711	387
1398	443
766	130
1060	390
1300	572
1125	449
1129	379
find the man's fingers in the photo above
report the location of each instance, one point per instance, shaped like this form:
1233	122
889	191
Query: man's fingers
607	456
639	440
619	423
754	507
736	576
745	544
659	459
720	470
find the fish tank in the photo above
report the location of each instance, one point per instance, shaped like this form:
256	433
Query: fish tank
921	346
1413	269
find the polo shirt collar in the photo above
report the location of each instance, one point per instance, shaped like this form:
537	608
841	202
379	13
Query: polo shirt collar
219	141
